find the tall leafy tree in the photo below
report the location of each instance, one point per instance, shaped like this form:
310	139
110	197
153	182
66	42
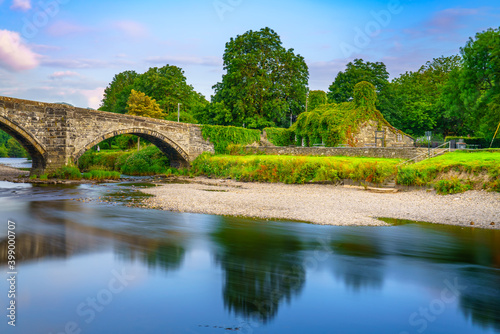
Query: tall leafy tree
264	82
116	94
167	85
415	98
342	88
480	80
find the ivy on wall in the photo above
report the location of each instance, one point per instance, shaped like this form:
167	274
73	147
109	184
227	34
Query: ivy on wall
223	136
334	124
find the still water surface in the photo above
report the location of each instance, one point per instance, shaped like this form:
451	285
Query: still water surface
94	267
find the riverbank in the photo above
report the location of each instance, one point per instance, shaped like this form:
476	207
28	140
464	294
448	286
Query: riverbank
325	204
11	174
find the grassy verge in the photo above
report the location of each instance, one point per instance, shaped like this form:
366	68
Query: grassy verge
455	172
101	175
293	169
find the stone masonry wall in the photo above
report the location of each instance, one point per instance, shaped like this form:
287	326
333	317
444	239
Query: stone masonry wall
366	136
372	152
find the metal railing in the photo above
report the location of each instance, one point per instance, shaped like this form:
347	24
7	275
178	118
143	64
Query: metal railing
430	154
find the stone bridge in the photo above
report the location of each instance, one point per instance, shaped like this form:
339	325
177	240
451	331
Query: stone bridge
56	134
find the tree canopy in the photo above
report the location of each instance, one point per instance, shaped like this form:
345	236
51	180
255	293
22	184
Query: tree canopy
264	82
167	85
478	83
139	104
342	88
414	98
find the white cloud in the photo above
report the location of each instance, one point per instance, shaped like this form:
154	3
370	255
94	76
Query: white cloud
15	55
94	96
23	5
131	28
186	60
63	74
74	63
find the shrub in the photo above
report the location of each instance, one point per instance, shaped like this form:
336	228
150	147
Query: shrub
101	175
149	161
67	173
452	186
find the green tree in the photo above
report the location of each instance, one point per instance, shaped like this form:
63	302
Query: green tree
116	94
315	99
480	80
342	88
167	85
139	104
264	82
15	149
415	98
4	153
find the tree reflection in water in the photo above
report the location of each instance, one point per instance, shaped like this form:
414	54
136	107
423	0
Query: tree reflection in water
59	234
359	260
262	266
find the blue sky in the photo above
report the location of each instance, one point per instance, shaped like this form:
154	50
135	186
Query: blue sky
69	50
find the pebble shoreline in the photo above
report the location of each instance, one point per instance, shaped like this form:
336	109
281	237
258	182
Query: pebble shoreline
325	204
320	204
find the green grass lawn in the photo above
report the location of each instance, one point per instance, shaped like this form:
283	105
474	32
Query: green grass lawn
295	169
466	159
458	171
450	173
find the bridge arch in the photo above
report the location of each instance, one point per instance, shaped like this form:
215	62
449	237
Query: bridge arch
177	155
35	149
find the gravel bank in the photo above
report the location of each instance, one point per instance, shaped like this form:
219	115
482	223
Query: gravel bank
9	173
325	204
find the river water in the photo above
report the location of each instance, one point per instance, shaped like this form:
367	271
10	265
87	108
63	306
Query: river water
88	263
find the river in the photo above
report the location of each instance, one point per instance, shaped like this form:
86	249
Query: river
88	262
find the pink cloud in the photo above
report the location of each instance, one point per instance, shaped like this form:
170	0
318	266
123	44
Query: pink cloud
131	28
74	63
64	28
22	5
15	55
446	22
450	18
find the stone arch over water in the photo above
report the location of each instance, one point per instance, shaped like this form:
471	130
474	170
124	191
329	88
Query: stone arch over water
177	156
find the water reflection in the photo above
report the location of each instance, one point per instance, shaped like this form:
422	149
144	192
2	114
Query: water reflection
359	261
262	267
480	301
60	231
265	264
